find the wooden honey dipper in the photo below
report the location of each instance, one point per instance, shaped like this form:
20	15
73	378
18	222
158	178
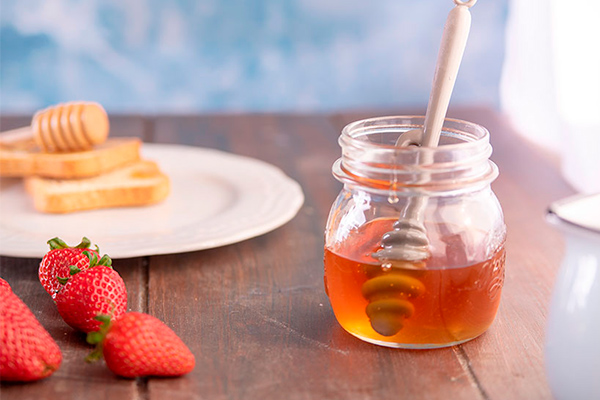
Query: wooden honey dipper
67	127
405	248
390	294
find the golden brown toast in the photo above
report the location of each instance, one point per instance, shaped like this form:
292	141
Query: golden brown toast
21	159
136	184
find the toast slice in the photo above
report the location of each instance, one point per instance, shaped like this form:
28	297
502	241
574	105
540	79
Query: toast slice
22	161
136	184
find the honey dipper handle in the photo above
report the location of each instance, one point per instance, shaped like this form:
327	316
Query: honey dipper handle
408	240
454	40
12	136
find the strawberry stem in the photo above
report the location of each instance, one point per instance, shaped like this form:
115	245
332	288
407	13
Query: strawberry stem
92	257
97	338
94	337
62	280
105	319
73	270
106	261
96	354
57	243
94	262
85	243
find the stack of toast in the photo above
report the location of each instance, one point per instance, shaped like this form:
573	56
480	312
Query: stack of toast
110	174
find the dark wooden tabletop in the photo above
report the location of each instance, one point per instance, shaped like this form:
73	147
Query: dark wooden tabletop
255	313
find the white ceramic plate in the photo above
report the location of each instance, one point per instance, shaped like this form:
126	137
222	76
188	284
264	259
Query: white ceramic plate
216	199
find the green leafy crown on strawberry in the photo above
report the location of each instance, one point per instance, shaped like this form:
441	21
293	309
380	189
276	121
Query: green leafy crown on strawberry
96	338
58	243
105	260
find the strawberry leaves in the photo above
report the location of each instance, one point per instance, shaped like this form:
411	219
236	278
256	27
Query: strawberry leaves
96	338
58	243
93	262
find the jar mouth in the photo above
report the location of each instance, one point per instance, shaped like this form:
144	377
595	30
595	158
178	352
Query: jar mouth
464	131
371	158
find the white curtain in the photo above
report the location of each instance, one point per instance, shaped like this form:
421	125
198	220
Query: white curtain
551	82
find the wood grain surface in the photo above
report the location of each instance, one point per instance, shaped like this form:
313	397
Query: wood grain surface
255	313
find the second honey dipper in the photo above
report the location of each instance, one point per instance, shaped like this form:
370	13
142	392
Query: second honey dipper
68	127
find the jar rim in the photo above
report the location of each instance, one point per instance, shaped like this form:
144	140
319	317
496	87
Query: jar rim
371	158
361	126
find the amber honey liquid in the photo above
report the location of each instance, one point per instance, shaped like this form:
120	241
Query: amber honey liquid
453	304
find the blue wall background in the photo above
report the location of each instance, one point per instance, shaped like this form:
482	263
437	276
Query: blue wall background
239	55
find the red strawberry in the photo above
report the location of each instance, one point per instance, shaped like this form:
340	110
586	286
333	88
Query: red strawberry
4	286
27	351
58	260
138	344
86	294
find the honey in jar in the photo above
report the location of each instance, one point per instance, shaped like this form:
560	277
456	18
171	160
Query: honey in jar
437	306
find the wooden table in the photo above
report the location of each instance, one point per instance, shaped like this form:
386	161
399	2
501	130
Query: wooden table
255	313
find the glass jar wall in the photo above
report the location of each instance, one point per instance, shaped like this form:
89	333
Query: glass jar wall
414	244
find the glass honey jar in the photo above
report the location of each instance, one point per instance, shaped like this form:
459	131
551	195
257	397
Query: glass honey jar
437	197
